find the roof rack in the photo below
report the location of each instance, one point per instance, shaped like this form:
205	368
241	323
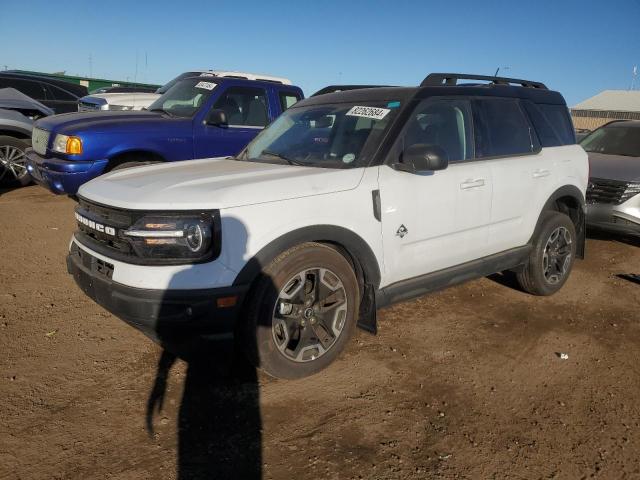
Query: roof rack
250	76
342	88
450	79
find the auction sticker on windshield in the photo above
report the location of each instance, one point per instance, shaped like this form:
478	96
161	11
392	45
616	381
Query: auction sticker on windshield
368	112
206	85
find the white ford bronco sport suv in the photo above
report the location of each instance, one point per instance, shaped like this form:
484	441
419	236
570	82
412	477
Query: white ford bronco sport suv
348	202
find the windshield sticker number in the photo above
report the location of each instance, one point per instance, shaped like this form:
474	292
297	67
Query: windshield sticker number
206	85
368	112
348	158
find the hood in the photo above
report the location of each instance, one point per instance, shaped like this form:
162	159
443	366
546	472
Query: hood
12	99
137	100
614	167
214	183
105	122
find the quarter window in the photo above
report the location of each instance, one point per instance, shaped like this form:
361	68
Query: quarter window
445	123
287	99
244	106
501	128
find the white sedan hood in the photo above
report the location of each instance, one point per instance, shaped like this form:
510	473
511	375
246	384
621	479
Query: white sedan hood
214	183
137	100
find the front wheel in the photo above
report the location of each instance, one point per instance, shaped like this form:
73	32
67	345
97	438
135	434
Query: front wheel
552	256
13	168
302	311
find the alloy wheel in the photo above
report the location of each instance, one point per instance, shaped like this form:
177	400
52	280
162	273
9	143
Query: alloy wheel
557	255
309	315
13	163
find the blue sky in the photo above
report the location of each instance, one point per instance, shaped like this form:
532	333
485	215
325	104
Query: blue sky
576	47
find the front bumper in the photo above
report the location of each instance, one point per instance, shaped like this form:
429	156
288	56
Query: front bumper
613	218
162	314
62	176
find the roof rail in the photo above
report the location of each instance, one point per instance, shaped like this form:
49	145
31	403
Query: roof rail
342	88
250	76
450	79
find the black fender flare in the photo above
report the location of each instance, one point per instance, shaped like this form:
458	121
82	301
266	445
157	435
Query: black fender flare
362	256
573	192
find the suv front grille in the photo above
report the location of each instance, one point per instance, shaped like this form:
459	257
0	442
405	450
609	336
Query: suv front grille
112	245
40	140
607	191
88	107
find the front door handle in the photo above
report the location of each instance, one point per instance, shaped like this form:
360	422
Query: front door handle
541	172
475	183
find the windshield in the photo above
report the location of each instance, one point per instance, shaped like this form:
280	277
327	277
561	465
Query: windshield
331	136
185	97
614	141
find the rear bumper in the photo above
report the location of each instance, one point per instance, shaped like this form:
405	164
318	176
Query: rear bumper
162	314
62	176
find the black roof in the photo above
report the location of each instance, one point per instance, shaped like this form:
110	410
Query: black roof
343	88
361	95
73	88
443	84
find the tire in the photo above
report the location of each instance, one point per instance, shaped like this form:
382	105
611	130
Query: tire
550	262
287	343
122	166
13	169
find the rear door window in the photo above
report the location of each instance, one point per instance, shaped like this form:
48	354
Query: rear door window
32	89
501	128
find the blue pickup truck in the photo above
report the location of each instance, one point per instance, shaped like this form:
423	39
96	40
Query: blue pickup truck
213	114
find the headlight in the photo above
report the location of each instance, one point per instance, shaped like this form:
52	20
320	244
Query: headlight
67	144
631	191
119	107
173	237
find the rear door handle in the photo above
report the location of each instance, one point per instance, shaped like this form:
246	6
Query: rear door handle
541	172
475	183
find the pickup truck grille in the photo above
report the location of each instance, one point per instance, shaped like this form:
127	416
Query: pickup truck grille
40	140
606	191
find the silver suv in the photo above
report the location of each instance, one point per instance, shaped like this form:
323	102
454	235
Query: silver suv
613	194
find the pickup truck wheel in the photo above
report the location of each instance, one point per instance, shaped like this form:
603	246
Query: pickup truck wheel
302	311
13	168
552	256
124	165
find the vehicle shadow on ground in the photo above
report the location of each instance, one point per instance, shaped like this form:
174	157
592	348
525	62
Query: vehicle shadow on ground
632	240
219	423
506	279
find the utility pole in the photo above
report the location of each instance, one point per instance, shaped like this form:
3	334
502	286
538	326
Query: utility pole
90	66
634	75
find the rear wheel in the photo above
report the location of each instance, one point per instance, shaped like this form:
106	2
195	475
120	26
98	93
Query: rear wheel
302	311
552	256
13	168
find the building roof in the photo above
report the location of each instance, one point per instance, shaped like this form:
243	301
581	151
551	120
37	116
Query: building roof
612	100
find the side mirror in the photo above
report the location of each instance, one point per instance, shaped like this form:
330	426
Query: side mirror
216	118
421	157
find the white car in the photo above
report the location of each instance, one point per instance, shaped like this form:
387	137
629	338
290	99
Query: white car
141	100
346	203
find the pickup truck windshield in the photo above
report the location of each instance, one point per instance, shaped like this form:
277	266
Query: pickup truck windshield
185	97
330	136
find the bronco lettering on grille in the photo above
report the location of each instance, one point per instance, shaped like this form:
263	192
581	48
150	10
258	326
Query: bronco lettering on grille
98	227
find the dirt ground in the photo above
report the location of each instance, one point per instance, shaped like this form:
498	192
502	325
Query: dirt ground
465	383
